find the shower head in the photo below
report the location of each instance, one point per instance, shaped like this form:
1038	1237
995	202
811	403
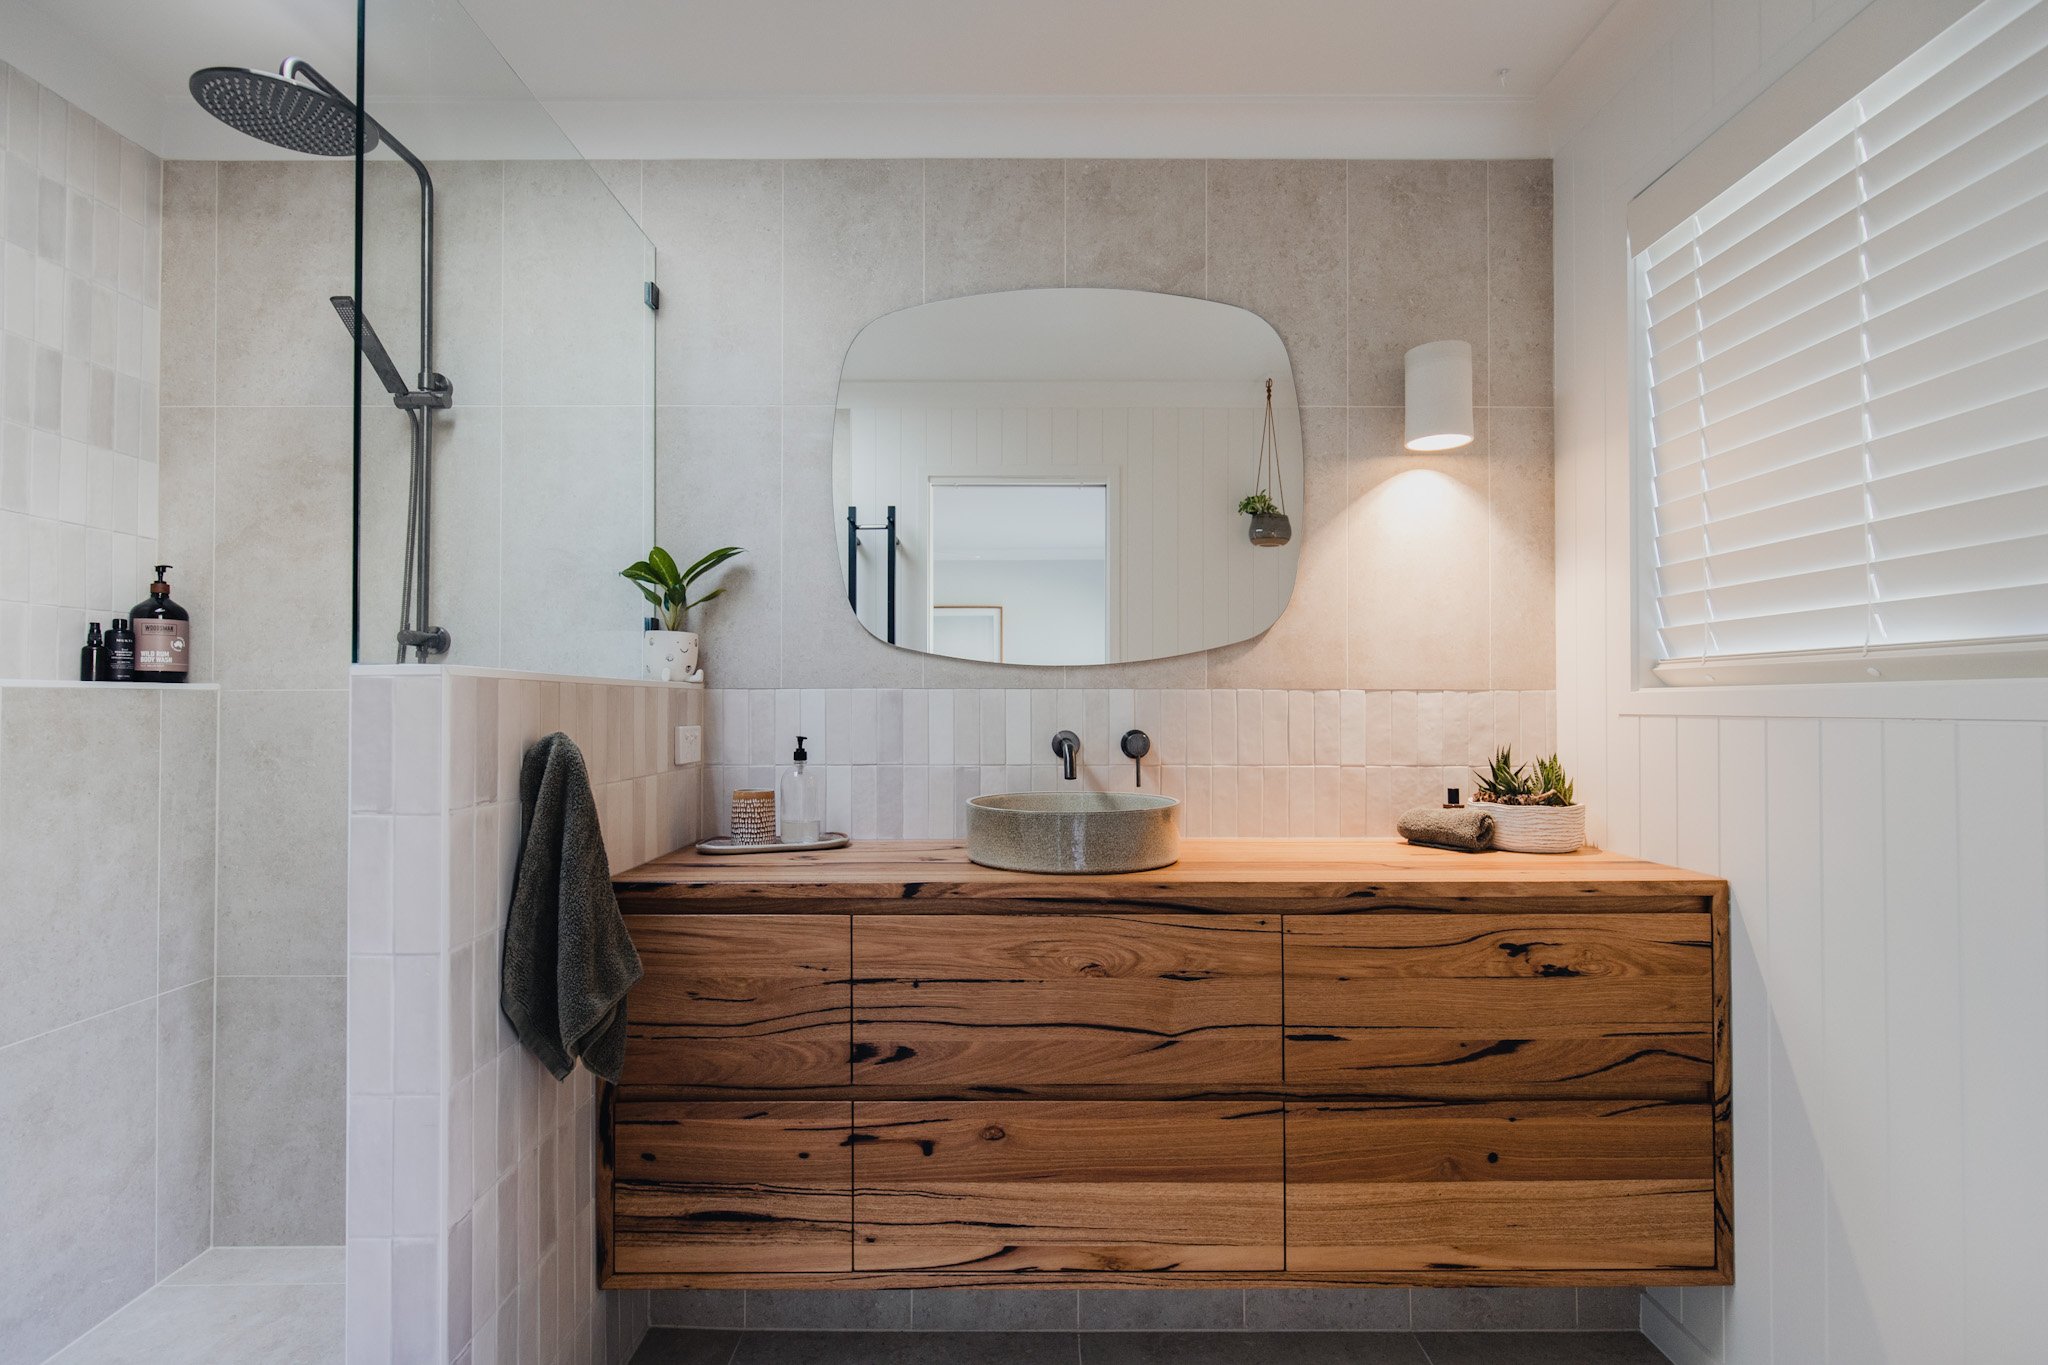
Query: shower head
373	349
278	110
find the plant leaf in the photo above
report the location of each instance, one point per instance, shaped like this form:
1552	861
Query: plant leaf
708	563
664	564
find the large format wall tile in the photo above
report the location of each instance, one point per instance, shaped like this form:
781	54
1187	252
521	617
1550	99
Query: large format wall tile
186	829
278	1098
470	298
1276	246
185	503
575	265
1519	275
717	230
993	225
1418	269
189	256
1137	225
77	1137
78	862
283	831
286	244
853	249
184	1125
281	572
1521	548
693	515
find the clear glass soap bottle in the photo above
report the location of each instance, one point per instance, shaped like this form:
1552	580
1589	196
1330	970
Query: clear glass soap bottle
799	801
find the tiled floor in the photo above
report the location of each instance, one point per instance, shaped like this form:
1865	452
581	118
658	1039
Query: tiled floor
699	1346
229	1306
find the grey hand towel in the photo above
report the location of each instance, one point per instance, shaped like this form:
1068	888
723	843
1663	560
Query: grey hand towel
568	961
1465	828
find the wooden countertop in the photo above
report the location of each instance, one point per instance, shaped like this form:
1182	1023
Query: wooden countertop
1281	874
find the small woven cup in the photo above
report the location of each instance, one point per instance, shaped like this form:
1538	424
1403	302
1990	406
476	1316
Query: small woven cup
753	817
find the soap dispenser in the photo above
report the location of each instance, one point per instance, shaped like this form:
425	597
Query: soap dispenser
798	802
163	634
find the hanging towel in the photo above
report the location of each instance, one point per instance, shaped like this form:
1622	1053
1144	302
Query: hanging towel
1464	828
568	961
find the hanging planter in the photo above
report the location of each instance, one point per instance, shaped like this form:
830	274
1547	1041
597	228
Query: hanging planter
1270	526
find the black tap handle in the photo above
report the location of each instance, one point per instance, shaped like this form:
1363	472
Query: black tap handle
1136	744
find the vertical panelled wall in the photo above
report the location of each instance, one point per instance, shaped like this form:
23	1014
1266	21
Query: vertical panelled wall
1425	583
106	1000
471	1185
1888	873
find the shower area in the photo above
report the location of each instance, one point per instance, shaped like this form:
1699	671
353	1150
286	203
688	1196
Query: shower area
397	422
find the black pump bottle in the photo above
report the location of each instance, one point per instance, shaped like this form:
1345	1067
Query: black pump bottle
163	634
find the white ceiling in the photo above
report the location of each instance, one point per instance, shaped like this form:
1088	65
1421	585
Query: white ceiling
932	77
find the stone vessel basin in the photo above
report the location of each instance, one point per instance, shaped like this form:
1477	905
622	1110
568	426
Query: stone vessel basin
1073	832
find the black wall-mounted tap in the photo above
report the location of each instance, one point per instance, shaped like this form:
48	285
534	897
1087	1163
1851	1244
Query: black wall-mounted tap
1136	744
1066	744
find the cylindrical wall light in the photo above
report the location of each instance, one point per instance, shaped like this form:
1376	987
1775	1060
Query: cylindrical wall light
1440	396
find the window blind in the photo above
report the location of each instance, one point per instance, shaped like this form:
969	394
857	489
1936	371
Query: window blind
1847	375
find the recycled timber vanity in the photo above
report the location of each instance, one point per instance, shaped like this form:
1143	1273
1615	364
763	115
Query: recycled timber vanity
1278	1062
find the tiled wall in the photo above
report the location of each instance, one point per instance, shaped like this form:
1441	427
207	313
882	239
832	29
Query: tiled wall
471	1219
898	763
1418	572
81	215
106	1000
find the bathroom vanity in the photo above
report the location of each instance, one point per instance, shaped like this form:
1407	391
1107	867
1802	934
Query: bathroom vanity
1277	1062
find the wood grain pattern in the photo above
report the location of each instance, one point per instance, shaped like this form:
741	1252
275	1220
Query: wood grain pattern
1558	1186
709	1186
1058	1000
754	1003
1500	1004
1037	1185
1295	876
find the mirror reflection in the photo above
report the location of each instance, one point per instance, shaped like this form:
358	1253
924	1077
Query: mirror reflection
1067	476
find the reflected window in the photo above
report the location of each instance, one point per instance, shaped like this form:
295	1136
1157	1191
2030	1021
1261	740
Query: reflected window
1021	571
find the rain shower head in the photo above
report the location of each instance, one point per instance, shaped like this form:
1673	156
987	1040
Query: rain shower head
373	349
278	110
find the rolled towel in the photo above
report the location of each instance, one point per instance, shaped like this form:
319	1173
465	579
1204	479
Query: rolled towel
1464	828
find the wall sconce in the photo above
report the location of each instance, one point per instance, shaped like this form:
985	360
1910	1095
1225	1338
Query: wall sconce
1439	396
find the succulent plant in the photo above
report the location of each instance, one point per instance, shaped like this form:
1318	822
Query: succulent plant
1508	783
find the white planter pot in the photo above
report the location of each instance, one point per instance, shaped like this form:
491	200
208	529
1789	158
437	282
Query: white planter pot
671	655
1536	829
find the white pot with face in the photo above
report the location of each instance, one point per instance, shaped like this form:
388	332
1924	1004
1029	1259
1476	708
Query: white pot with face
671	655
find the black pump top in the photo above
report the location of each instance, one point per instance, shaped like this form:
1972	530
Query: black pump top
800	756
161	588
92	635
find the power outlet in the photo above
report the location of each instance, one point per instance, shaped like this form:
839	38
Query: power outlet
689	745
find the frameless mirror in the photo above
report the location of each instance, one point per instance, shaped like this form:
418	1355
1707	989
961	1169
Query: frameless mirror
1055	476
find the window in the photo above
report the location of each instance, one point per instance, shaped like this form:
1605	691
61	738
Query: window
1846	384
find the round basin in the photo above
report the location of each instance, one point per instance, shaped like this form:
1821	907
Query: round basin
1073	832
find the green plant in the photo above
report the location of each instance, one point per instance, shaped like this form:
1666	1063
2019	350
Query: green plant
667	588
1508	783
1258	505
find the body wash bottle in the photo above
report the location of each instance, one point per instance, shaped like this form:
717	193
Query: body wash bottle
163	634
799	803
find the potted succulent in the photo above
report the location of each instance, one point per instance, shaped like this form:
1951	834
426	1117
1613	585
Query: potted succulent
1270	526
1531	805
671	650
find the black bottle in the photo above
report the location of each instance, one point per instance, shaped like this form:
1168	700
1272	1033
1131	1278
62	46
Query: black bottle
92	659
163	635
120	651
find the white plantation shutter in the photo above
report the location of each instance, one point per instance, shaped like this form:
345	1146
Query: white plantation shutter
1847	384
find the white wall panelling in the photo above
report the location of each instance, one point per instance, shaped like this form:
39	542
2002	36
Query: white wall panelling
1886	978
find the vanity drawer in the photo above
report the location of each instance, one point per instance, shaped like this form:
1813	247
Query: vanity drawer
723	1186
1405	1185
1501	1005
755	1003
1167	1002
1028	1185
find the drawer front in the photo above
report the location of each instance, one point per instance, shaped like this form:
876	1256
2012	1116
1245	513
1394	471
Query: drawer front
1066	1000
1501	1005
755	1003
716	1186
1490	1185
1068	1185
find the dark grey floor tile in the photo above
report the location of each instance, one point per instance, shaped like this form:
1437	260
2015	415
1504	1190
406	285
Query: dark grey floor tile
1607	1310
1162	1310
1540	1348
1494	1310
994	1310
1250	1348
1326	1310
696	1308
905	1348
686	1346
829	1310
